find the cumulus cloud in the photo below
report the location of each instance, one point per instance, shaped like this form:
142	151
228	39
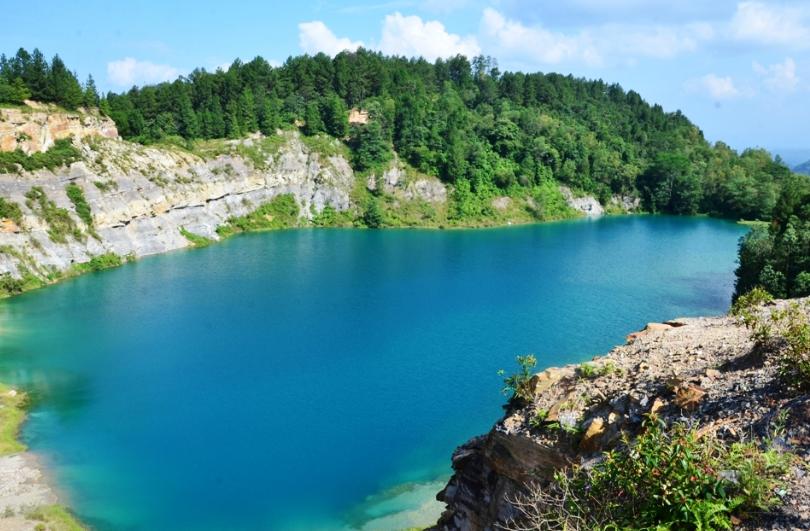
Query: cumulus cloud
593	46
779	77
716	87
761	23
536	42
129	71
412	37
401	35
315	36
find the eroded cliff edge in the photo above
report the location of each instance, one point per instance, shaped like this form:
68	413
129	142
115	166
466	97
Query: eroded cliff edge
144	200
711	373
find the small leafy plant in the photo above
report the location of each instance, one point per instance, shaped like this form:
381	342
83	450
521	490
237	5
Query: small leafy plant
676	478
517	385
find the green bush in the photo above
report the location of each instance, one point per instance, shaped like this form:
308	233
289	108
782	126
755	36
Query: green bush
195	239
60	224
517	385
60	154
674	478
281	212
99	263
10	210
10	285
76	196
794	358
372	216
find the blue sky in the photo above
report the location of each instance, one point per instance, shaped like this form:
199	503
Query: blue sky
739	69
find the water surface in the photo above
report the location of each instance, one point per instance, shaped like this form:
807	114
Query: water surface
277	380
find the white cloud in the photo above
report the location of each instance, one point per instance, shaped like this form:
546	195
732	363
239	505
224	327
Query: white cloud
594	46
772	24
535	42
314	37
412	37
779	77
716	87
128	71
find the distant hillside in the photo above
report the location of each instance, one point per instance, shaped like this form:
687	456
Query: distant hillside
803	168
484	132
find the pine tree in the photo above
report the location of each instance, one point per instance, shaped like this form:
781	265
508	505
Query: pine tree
188	126
312	119
218	128
35	76
63	87
247	112
270	118
232	126
335	117
90	93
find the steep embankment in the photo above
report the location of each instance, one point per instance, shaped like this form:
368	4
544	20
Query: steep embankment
711	373
119	199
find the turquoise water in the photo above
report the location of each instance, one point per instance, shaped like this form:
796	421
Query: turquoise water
277	380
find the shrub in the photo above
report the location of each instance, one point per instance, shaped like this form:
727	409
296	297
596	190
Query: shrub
10	210
665	479
372	217
794	358
195	239
281	212
76	196
10	285
60	224
60	154
745	303
99	263
517	385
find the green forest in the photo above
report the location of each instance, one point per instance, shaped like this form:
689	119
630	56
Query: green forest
487	132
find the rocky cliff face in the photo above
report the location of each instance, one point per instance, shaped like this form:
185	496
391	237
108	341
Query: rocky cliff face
701	370
36	126
141	197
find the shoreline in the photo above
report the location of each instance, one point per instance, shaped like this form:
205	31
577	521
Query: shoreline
28	498
75	273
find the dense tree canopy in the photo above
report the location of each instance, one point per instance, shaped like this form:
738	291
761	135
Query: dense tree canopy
778	257
488	132
29	75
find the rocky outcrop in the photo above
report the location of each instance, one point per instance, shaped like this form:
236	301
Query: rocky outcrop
699	370
141	197
408	185
588	205
36	126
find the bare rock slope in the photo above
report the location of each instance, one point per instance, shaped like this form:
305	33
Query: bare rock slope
699	370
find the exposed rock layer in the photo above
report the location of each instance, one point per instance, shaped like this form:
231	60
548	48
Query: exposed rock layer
703	370
35	127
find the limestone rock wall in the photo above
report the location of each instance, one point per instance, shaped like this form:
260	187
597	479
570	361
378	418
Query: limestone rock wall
141	197
36	126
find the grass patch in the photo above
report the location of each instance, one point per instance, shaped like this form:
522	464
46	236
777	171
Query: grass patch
60	154
106	186
76	196
329	217
60	224
10	210
326	145
195	239
54	518
12	415
98	263
279	213
676	478
258	151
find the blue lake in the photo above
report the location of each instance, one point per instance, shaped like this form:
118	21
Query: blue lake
277	380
